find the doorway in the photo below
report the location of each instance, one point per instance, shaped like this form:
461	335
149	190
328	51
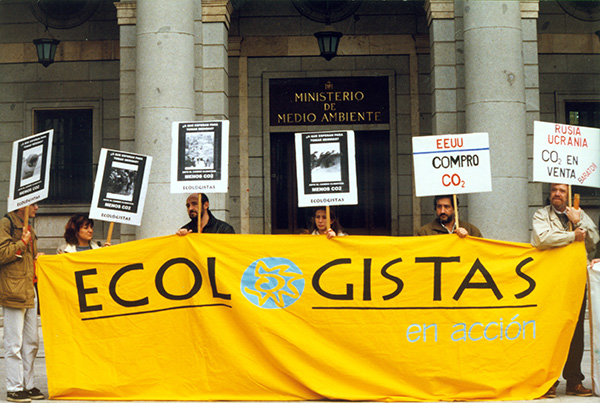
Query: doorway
372	215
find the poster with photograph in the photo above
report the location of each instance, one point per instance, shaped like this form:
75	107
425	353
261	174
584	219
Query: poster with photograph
566	154
326	168
30	170
120	187
199	156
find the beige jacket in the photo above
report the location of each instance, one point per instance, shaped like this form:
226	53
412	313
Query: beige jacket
16	274
549	232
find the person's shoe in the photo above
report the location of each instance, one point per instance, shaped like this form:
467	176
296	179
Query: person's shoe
20	396
35	394
578	390
551	394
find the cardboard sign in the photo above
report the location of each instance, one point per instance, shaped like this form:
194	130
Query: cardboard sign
326	168
452	164
199	156
120	187
566	154
30	170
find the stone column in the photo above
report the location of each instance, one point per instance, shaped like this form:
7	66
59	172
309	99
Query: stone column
495	103
213	93
126	17
165	94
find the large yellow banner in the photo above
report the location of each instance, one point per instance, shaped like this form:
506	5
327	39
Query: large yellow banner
276	317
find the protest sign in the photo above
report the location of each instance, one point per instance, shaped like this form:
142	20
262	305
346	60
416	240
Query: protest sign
452	164
120	187
30	170
199	157
290	317
566	154
326	168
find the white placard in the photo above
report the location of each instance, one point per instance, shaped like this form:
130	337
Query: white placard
120	187
30	170
326	168
566	154
199	157
452	164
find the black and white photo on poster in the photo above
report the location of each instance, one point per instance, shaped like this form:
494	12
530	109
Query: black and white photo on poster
199	157
326	168
30	170
122	179
120	187
199	151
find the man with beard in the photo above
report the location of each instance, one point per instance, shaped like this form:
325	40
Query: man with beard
445	222
551	230
210	224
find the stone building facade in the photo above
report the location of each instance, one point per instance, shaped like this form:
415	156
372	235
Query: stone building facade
129	69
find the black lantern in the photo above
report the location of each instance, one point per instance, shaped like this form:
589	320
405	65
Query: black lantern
329	41
46	50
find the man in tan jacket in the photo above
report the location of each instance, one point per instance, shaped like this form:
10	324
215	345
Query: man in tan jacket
18	251
551	230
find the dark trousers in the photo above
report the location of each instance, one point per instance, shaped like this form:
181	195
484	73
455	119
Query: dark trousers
572	370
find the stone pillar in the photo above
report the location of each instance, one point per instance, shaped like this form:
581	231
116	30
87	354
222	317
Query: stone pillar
126	18
442	43
495	103
213	91
165	94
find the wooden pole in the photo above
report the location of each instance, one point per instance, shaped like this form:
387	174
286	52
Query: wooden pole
455	210
328	218
26	220
200	212
110	231
570	205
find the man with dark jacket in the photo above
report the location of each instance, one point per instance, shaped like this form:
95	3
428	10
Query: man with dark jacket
18	251
445	222
210	224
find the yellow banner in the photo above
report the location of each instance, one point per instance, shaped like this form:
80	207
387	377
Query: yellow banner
291	317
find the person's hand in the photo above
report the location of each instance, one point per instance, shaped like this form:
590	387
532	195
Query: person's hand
26	237
461	232
39	254
330	233
595	261
574	215
183	231
106	244
579	234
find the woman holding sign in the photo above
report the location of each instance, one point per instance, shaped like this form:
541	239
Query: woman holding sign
319	224
78	234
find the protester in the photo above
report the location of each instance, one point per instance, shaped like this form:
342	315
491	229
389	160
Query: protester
18	297
319	223
79	232
551	230
445	222
210	224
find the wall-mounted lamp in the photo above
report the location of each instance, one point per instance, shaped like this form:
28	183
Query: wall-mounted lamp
46	50
329	41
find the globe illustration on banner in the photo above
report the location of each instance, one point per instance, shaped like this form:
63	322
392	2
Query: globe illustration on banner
272	283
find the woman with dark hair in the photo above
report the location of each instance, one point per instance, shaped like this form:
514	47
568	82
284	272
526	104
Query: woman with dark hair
319	223
78	234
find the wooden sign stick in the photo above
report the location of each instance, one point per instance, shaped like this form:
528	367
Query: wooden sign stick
26	220
455	210
110	231
569	203
327	213
200	213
